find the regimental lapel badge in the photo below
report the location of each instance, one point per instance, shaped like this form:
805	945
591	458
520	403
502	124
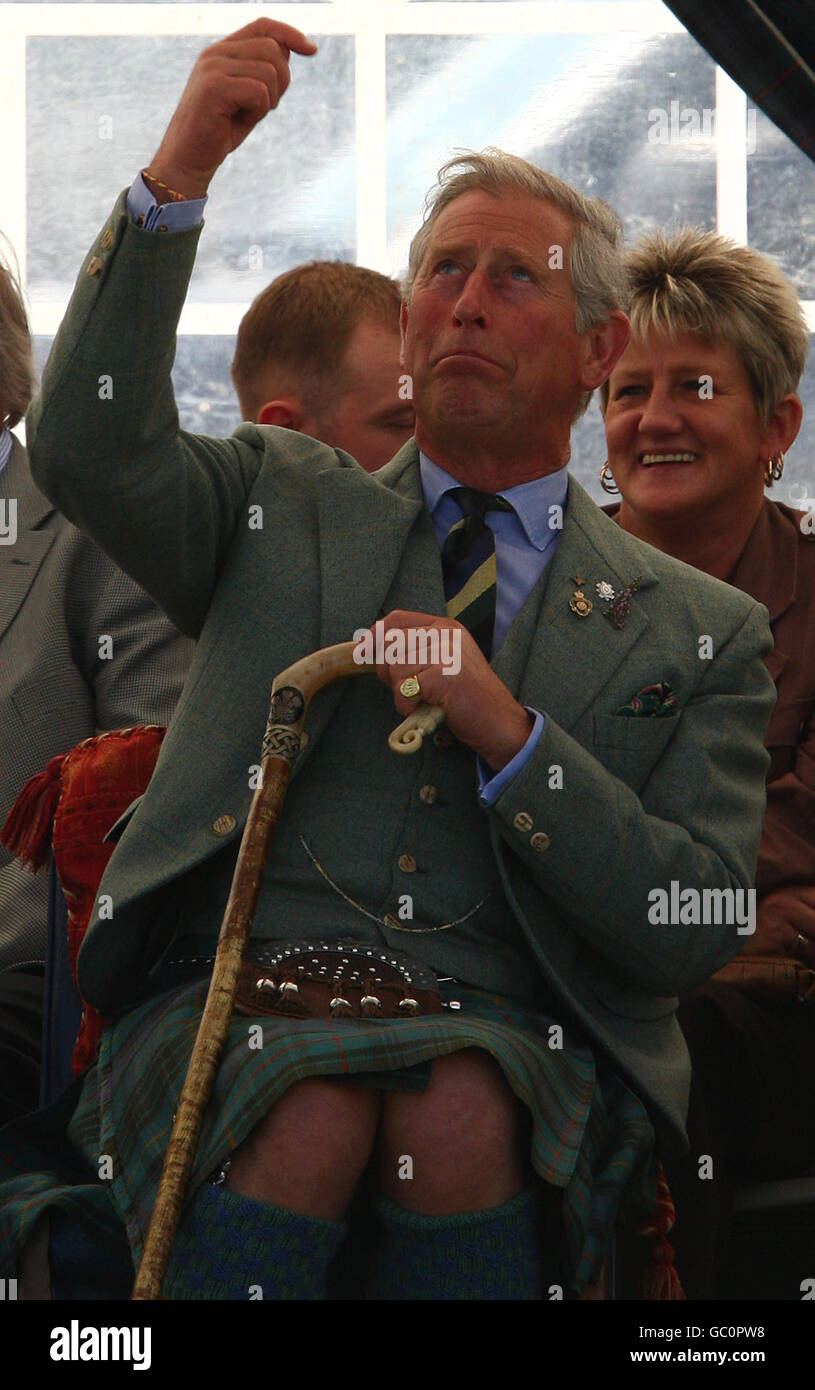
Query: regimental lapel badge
618	604
578	602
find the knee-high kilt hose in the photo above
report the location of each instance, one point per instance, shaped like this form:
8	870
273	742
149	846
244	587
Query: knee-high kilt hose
590	1135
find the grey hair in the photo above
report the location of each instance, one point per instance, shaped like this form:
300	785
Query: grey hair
695	281
594	259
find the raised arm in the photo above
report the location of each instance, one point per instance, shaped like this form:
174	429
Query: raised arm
234	84
104	438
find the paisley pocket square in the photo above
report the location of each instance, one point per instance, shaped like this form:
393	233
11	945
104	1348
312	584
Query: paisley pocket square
652	702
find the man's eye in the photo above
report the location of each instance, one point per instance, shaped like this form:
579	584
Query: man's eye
696	383
447	265
520	272
631	390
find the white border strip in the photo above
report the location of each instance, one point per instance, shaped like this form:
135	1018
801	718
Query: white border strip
731	157
209	320
371	148
212	320
386	16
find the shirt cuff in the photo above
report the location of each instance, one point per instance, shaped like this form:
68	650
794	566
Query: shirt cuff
490	788
162	217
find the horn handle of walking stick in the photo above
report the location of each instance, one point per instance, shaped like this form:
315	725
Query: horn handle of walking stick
292	691
309	675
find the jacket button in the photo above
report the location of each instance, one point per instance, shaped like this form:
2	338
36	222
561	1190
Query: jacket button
523	822
407	863
428	794
224	824
443	738
94	266
106	240
539	841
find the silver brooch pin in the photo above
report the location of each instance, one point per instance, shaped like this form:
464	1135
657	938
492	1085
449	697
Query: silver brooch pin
617	610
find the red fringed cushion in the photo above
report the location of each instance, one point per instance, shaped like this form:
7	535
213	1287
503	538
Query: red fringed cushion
100	778
26	831
661	1281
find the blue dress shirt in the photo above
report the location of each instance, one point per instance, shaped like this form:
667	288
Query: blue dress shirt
525	541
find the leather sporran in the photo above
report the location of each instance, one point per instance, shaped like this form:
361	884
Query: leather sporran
336	980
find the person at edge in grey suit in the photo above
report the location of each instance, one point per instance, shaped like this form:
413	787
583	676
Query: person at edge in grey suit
59	595
601	760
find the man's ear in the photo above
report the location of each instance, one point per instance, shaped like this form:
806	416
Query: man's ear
605	345
286	413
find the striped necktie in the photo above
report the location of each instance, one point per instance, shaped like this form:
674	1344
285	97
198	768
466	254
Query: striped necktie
468	564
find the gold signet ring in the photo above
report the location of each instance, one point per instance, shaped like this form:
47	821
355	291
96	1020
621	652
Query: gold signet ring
410	688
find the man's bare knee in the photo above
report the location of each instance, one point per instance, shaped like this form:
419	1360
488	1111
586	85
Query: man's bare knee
459	1145
310	1151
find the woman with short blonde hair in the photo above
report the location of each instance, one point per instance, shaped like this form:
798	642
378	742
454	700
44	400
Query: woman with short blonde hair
699	412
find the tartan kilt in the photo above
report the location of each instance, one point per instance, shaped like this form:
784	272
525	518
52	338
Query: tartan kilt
590	1135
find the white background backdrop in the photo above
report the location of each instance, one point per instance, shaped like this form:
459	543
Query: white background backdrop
341	169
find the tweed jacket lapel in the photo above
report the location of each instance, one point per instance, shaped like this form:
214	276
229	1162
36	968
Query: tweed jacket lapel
20	562
553	659
377	552
364	529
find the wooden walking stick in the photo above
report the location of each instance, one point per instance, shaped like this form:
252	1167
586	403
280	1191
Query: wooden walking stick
291	693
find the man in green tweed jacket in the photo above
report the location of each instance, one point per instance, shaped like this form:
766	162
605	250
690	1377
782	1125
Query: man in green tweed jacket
610	751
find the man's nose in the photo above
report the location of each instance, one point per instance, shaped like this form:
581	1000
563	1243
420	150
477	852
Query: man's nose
472	304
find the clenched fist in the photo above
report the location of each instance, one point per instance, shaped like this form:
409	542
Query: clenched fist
233	85
455	676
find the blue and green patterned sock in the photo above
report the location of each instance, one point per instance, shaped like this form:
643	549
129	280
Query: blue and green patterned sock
231	1247
492	1254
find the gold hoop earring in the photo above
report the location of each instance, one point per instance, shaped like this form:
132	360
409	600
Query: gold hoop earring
609	487
774	469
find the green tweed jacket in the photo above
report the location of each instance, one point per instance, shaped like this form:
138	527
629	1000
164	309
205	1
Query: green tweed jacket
645	801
